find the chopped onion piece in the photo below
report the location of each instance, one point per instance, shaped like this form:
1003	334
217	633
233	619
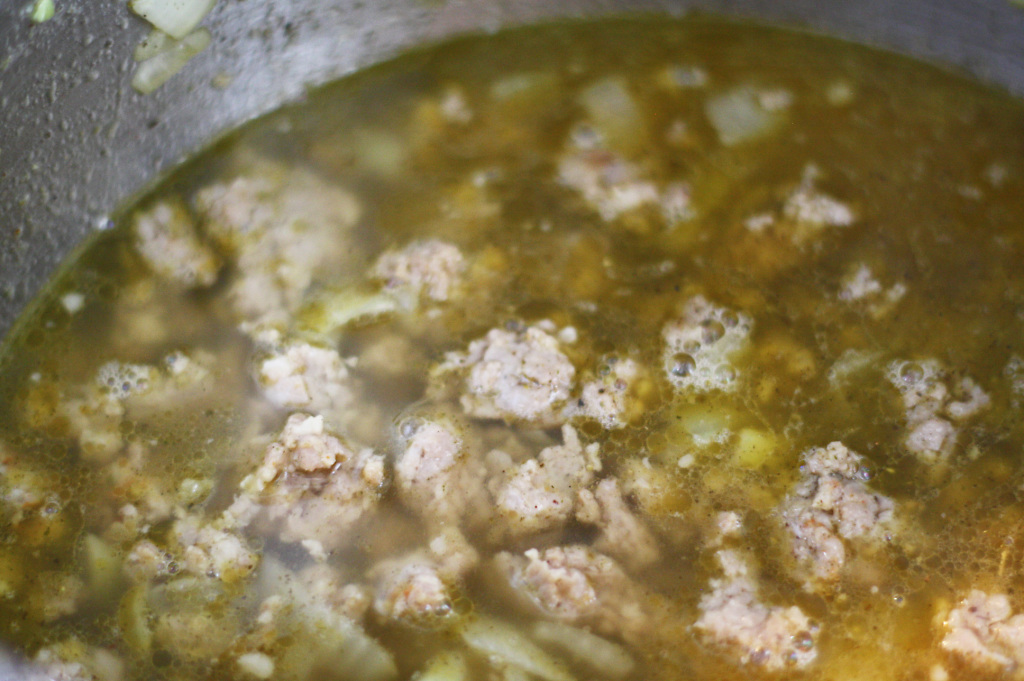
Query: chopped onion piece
449	665
334	310
133	620
157	42
103	567
42	10
504	644
738	116
328	646
177	18
156	71
613	111
605	658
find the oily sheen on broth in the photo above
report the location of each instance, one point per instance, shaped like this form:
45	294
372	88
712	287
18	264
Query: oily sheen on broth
629	350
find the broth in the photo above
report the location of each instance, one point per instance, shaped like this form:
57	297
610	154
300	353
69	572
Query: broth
638	349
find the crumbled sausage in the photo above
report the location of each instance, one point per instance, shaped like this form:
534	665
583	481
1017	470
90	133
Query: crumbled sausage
150	495
829	505
198	547
299	375
862	286
610	184
623	535
607	398
282	228
541	493
935	400
435	475
146	561
70	660
701	345
577	585
411	589
310	486
515	375
984	631
24	492
812	210
166	238
784	233
733	617
212	551
432	268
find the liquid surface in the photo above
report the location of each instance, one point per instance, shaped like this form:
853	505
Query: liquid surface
622	351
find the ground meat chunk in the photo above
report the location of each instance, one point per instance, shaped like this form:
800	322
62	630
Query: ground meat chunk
50	668
196	546
413	590
701	345
607	398
431	268
935	401
298	375
610	184
283	228
166	238
829	505
577	585
614	186
780	238
452	553
541	493
812	210
435	474
862	286
623	535
146	561
209	550
70	660
732	617
984	631
311	487
728	524
515	375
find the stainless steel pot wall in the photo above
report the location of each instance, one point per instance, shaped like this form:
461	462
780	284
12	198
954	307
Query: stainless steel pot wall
75	139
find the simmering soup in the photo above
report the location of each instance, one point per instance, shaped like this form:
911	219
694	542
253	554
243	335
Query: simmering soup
630	350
